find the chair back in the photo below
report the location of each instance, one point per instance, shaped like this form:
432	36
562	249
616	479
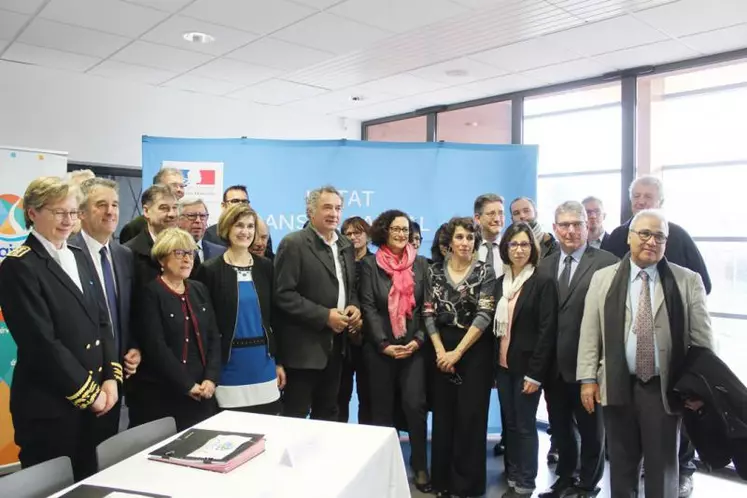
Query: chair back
127	443
38	481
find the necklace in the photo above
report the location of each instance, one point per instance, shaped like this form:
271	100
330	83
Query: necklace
453	266
230	261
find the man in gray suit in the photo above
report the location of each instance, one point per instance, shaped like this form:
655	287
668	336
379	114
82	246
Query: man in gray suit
317	303
640	317
572	267
114	264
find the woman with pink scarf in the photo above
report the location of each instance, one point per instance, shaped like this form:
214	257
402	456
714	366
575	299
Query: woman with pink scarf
392	291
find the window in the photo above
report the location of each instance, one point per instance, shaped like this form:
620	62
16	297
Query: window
404	130
579	136
484	124
691	135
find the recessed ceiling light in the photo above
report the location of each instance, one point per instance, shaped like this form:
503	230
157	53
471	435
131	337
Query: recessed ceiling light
471	123
456	72
197	37
357	98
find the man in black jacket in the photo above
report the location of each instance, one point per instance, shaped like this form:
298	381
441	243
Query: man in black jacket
647	192
170	177
235	194
316	300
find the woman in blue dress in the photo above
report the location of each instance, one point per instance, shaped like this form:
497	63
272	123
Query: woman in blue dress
241	288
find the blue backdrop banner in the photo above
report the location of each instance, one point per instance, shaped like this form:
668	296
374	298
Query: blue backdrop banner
430	181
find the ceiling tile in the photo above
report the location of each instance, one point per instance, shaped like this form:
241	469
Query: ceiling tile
235	71
655	53
21	6
380	110
475	70
595	10
695	16
720	40
130	72
198	84
165	5
171	33
338	101
607	36
528	54
280	54
3	44
256	16
398	15
402	85
160	57
567	71
277	92
48	57
50	34
332	34
11	23
104	15
484	4
318	4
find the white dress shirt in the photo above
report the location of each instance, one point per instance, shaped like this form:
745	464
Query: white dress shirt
341	301
634	294
63	256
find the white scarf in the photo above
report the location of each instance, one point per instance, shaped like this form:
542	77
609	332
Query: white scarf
511	286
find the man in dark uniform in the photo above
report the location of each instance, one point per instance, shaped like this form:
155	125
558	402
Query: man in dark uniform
66	373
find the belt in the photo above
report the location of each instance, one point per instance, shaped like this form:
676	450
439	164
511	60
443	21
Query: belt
245	343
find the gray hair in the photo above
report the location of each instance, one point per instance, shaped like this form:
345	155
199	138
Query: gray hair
592	198
165	171
571	207
186	202
651	213
79	176
312	200
650	181
486	199
88	186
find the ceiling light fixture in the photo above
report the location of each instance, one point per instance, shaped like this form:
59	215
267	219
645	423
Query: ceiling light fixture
197	37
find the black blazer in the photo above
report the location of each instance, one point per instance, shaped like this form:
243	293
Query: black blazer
132	229
375	285
146	268
681	249
305	290
534	326
63	335
160	330
571	309
124	274
223	286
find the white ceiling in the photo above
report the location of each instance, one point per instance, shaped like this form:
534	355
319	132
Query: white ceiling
396	55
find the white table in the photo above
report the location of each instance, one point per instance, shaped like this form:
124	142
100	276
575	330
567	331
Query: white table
327	460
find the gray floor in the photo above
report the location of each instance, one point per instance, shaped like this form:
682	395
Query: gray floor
706	486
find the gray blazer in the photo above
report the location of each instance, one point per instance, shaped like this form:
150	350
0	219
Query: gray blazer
591	357
571	309
306	289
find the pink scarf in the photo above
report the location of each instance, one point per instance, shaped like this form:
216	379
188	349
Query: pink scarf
402	293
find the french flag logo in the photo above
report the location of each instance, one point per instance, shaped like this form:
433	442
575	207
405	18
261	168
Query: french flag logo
199	176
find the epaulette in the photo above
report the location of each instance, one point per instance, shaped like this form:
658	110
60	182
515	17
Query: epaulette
19	252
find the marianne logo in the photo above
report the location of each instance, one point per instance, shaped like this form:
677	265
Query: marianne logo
199	176
11	218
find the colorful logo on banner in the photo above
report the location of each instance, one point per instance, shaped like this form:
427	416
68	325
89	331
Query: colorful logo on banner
12	222
8	450
199	176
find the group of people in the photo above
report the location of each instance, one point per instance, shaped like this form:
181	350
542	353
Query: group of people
184	320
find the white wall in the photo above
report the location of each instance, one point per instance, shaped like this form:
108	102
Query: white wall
101	121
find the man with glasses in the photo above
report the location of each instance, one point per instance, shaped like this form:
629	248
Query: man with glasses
596	215
172	178
572	267
193	217
640	317
490	217
647	192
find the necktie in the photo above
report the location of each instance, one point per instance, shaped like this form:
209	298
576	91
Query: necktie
197	259
564	281
490	258
644	331
111	295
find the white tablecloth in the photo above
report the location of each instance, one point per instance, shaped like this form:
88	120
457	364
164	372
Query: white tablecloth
327	460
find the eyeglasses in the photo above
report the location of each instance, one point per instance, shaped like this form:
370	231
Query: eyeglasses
237	201
577	225
417	238
593	212
351	234
402	230
646	235
194	216
493	214
182	253
61	214
516	245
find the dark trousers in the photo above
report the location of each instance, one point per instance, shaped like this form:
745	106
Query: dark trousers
354	366
566	414
643	430
148	401
460	418
409	375
313	391
74	435
686	454
273	408
522	441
